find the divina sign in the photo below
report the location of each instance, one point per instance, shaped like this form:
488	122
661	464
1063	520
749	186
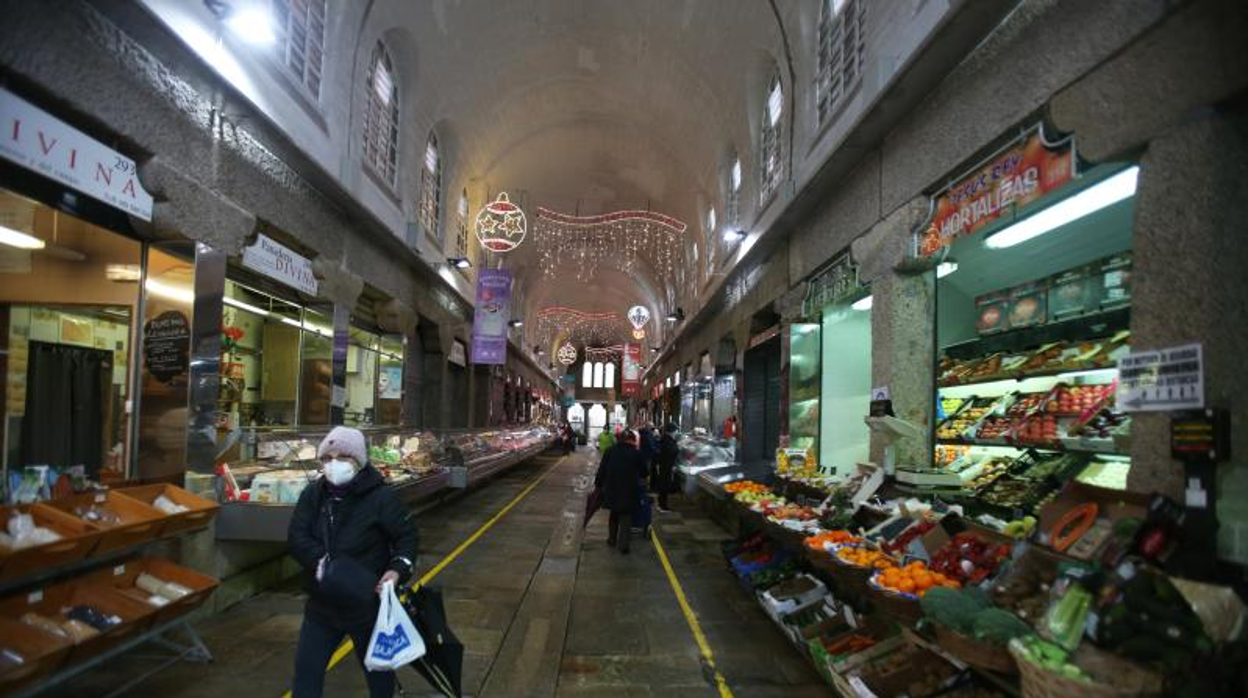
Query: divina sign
279	262
43	143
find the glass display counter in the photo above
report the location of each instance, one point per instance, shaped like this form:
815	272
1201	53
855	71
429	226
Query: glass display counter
259	489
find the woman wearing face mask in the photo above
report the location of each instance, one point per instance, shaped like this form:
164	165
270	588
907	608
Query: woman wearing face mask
350	534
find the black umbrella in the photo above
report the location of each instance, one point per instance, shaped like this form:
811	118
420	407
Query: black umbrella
593	503
443	663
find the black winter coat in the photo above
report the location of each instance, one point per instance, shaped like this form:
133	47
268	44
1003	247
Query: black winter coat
620	476
669	452
368	525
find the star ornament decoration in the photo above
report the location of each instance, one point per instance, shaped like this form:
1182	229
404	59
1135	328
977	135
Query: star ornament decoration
567	354
501	225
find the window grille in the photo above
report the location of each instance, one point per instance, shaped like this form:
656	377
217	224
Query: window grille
381	117
771	165
431	189
300	27
842	51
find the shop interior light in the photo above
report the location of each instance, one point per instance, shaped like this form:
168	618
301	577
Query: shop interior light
862	303
122	272
251	24
157	287
14	238
946	268
246	306
459	262
1094	198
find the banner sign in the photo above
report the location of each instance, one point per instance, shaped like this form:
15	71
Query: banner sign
1162	380
1021	174
280	263
631	383
837	283
38	141
493	313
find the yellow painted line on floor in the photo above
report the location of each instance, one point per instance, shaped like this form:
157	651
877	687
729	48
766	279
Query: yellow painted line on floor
690	617
347	645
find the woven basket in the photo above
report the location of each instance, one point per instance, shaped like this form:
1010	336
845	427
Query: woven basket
1128	680
981	655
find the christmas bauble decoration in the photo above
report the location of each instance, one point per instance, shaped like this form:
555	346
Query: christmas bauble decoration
638	315
567	354
639	334
501	225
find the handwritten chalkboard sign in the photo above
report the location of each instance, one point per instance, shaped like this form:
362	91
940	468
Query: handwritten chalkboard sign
166	345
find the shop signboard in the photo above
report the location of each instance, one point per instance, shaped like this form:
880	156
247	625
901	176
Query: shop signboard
632	369
835	284
1162	380
167	345
280	263
459	355
491	318
1023	172
43	143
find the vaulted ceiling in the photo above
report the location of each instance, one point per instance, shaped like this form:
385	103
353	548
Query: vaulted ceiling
587	107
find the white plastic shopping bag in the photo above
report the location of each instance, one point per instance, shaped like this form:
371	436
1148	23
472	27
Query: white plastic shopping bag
395	642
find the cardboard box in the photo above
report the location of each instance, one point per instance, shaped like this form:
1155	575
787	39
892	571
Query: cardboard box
951	526
1113	505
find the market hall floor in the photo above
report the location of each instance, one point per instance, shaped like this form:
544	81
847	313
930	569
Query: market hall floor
543	608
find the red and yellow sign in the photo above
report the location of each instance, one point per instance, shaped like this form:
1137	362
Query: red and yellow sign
1018	176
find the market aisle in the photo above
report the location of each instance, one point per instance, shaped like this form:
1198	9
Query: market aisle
629	638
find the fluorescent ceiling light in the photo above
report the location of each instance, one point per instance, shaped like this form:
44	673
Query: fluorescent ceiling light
862	303
246	306
1094	198
253	25
14	238
945	269
122	272
169	291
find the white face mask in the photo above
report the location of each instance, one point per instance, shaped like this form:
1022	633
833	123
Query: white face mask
339	472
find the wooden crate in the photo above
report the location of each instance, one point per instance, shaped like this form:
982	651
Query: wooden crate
43	653
200	511
122	577
48	601
140	523
78	540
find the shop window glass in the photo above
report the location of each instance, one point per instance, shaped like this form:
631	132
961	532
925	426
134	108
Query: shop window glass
842	51
260	358
316	371
381	117
587	375
609	381
431	189
390	380
362	370
845	383
598	371
771	165
300	27
67	318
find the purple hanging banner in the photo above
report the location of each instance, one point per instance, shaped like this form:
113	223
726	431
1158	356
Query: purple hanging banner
493	313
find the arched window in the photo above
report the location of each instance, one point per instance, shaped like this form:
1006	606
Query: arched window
598	377
431	189
610	378
771	164
461	226
587	375
842	50
300	27
381	117
732	211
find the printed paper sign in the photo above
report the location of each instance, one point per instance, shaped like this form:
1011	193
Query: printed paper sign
1162	380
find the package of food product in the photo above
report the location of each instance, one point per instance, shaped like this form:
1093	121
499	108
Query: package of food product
78	631
148	583
169	506
174	591
45	624
92	616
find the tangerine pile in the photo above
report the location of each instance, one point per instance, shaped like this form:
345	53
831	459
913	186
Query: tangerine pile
863	557
914	578
746	486
817	541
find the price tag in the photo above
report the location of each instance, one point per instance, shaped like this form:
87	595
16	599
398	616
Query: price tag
34	596
119	570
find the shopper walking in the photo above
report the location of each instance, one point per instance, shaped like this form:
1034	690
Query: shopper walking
621	479
668	454
605	441
650	449
350	534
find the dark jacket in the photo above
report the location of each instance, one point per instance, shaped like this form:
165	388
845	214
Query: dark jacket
649	444
620	476
669	452
368	525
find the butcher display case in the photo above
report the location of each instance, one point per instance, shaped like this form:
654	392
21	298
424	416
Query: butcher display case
699	453
259	490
